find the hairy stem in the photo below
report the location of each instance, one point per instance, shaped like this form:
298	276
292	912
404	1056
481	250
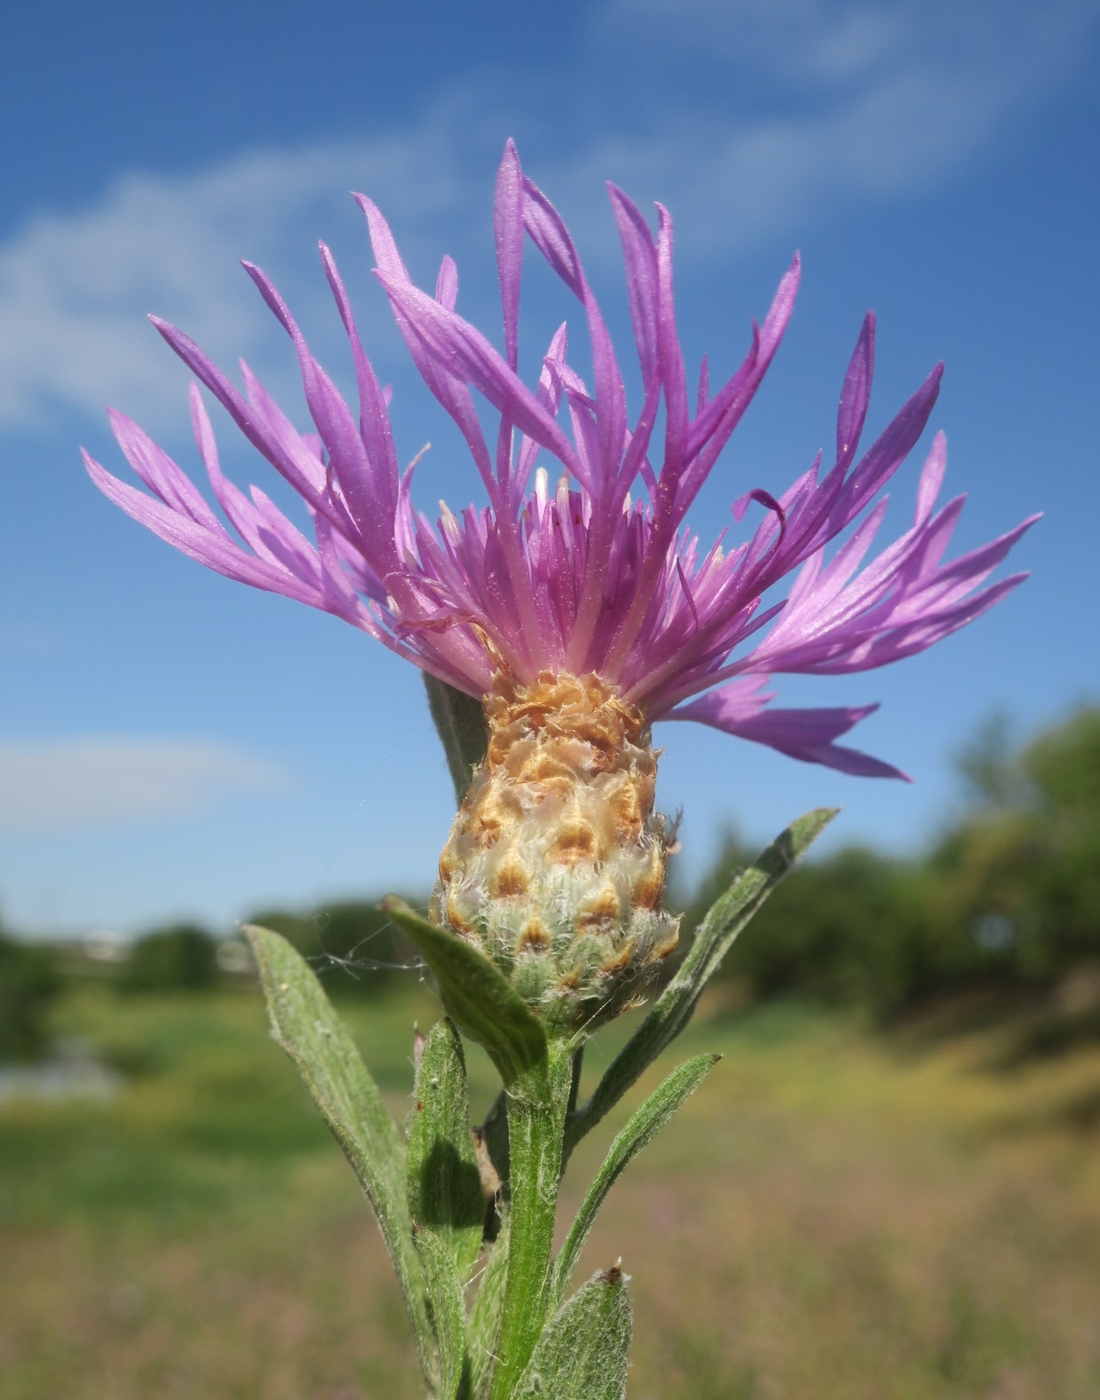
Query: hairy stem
537	1103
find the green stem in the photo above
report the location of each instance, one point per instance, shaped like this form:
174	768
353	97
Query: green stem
537	1103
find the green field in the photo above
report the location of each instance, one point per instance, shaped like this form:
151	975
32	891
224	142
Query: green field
836	1214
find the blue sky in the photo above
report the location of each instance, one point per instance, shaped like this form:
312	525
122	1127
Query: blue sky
172	743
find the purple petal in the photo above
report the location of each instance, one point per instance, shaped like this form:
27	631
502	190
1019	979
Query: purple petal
640	257
803	734
370	487
551	237
551	386
306	457
887	454
508	228
159	472
236	505
931	477
856	393
213	548
715	424
672	361
464	352
446	283
248	418
374	419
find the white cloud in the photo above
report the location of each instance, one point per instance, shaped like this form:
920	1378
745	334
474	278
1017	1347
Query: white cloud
851	101
75	289
60	783
777	174
838	42
824	39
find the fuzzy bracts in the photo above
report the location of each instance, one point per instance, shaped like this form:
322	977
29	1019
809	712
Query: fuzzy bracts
594	573
555	865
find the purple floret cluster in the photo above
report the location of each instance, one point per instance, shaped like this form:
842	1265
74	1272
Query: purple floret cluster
597	573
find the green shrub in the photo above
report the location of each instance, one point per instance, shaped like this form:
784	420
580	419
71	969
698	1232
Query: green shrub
1009	897
1030	866
29	982
846	929
179	958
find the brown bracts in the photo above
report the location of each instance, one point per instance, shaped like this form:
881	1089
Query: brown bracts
556	862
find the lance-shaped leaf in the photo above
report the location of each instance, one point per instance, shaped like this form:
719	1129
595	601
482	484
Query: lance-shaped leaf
582	1354
713	939
448	1314
486	1316
645	1124
325	1055
442	1178
460	723
476	994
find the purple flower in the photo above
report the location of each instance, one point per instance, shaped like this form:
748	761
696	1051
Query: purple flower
583	576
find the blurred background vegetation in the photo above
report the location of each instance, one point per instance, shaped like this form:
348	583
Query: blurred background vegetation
1005	904
29	982
891	1188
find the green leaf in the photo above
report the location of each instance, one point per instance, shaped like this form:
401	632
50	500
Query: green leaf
443	1184
476	994
487	1313
645	1124
325	1055
582	1354
448	1312
460	723
713	939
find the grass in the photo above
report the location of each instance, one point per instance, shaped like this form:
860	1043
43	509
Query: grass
835	1215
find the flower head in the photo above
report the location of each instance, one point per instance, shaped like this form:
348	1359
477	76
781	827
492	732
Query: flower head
582	609
596	574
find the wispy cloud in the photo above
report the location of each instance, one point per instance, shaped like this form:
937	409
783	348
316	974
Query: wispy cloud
834	103
75	289
833	43
63	783
797	108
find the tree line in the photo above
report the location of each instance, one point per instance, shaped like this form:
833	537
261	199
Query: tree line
1007	899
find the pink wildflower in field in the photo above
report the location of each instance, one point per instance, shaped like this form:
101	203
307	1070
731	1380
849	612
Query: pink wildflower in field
596	573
